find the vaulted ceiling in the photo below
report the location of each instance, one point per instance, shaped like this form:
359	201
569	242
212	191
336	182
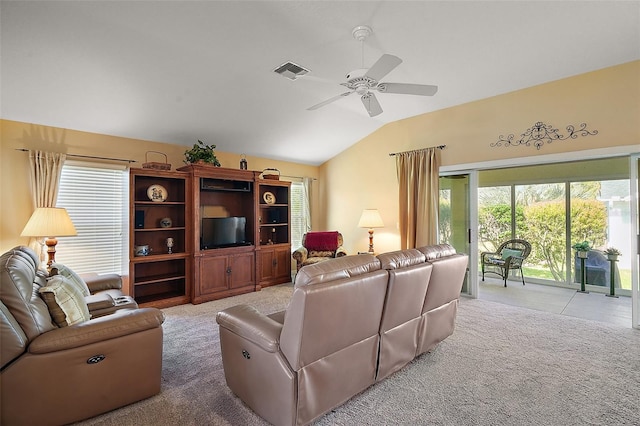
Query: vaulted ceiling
178	71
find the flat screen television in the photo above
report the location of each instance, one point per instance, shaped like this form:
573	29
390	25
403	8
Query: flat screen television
218	232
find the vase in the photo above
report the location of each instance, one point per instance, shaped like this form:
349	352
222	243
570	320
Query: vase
583	254
612	256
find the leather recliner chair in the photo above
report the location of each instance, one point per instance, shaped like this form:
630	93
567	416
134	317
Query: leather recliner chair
52	375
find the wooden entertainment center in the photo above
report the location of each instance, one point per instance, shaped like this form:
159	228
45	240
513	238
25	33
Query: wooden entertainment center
197	270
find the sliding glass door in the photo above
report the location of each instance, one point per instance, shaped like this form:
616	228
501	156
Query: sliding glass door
635	253
457	216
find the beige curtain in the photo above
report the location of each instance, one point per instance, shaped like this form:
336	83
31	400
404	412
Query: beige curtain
418	182
46	168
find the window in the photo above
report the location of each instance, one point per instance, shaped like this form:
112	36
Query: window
96	198
556	205
298	228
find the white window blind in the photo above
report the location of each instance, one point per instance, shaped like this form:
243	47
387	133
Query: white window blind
299	214
296	215
96	197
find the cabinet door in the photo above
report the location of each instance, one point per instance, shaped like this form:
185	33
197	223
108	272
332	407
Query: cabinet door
214	275
267	263
242	270
282	267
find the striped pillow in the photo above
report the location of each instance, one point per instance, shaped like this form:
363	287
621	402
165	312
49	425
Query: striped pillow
66	304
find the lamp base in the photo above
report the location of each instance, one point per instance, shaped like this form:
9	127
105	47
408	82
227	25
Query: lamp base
51	250
371	241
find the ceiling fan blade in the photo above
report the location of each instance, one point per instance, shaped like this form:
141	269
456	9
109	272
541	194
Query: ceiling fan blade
383	66
408	89
370	102
328	101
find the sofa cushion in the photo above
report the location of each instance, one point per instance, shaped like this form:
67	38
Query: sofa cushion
321	253
437	251
66	304
337	269
60	269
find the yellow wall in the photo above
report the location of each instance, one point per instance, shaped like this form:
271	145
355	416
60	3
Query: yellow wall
364	175
15	193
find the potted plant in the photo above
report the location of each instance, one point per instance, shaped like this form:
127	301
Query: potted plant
612	253
582	248
201	153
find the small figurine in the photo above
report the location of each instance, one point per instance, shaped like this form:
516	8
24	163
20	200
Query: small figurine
243	162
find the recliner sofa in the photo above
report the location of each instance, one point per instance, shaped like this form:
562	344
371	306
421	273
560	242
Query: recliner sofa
54	375
351	322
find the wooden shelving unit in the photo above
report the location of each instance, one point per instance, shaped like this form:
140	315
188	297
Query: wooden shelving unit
218	192
160	279
195	272
274	233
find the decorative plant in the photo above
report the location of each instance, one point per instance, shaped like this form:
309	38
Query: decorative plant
201	151
612	251
583	246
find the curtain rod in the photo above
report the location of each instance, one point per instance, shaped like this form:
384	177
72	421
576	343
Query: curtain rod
88	156
417	150
296	177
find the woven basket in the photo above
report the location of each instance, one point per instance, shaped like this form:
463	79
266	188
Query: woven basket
156	166
273	174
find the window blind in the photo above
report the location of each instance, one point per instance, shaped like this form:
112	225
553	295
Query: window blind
297	215
96	198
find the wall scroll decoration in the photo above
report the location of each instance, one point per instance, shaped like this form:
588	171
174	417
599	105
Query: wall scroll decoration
540	133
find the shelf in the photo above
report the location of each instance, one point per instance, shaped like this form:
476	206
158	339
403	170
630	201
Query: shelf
159	257
158	204
164	299
265	225
157	279
179	228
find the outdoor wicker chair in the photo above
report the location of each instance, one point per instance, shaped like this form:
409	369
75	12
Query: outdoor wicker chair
509	256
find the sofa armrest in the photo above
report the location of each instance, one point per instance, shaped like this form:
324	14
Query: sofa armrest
102	282
120	323
340	251
99	301
248	323
300	255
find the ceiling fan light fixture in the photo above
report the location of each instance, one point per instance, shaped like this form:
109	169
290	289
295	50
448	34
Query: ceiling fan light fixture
291	70
361	32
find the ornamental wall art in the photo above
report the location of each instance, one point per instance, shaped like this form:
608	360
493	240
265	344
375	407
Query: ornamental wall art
541	133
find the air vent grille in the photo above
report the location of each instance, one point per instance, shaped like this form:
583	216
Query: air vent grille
291	70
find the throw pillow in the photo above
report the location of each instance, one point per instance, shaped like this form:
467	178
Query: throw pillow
321	253
75	278
66	304
510	252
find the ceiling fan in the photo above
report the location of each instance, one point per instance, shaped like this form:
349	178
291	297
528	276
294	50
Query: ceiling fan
365	81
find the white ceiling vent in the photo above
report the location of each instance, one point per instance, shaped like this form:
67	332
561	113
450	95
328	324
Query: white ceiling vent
291	70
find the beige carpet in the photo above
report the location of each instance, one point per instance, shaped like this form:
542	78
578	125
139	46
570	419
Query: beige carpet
503	366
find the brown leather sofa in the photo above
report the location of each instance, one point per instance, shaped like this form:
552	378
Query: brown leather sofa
351	321
53	375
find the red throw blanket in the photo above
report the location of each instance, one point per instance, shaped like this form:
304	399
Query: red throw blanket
321	240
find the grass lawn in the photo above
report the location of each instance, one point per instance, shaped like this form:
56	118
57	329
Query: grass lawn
544	274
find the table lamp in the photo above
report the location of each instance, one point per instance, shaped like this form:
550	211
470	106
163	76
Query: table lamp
49	222
370	219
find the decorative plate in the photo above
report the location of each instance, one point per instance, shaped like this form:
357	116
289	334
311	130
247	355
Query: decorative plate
157	193
269	198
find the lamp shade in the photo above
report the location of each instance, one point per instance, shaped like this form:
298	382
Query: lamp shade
49	222
370	219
